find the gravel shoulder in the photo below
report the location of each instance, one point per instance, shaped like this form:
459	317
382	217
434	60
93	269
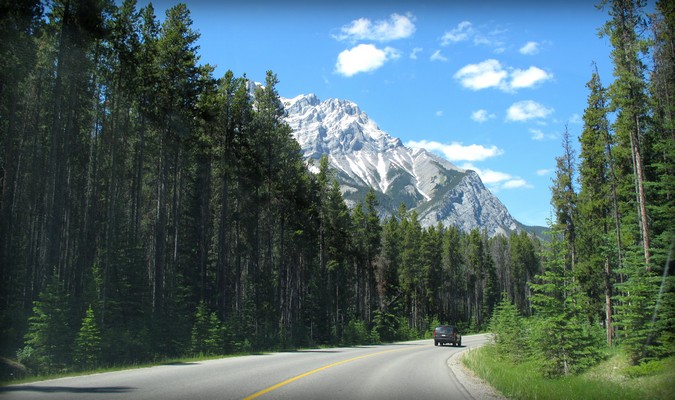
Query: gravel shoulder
477	388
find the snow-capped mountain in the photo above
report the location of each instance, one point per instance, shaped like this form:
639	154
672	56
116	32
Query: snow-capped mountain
364	156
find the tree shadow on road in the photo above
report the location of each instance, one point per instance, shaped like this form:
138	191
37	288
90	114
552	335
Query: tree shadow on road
66	389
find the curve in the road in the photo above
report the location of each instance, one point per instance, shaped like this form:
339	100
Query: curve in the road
314	371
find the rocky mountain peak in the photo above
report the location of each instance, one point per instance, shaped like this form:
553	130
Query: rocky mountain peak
365	157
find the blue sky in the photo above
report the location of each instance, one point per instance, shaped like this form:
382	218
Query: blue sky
490	85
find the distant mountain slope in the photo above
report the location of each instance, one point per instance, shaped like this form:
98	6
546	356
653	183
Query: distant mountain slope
364	156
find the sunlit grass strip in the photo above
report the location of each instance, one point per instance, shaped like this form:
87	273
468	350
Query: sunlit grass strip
606	381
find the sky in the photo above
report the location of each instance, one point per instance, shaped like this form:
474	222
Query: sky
489	85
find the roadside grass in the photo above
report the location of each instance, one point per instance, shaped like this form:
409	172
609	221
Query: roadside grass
122	367
612	379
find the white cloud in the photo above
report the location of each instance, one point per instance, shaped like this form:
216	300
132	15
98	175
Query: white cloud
460	33
491	74
481	116
439	113
526	110
486	74
543	172
456	151
530	48
363	58
538	134
516	183
497	180
494	39
397	27
528	78
465	31
490	177
437	56
414	52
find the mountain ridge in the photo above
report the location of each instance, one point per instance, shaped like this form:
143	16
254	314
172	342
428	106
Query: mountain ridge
364	156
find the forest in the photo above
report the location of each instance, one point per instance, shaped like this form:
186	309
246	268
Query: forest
149	209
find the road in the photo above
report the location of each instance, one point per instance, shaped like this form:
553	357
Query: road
408	370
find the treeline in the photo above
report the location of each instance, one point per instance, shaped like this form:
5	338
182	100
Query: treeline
149	209
610	260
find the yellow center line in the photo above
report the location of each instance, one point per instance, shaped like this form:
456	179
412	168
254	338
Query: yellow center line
314	371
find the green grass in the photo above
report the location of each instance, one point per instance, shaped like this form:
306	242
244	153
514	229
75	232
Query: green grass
168	361
613	379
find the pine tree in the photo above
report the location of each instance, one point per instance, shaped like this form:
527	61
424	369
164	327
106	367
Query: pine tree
562	339
661	166
50	333
87	352
410	271
629	100
564	197
455	287
432	280
524	266
208	333
638	187
19	23
510	334
599	252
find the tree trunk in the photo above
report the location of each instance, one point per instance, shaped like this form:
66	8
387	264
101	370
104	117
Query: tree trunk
640	190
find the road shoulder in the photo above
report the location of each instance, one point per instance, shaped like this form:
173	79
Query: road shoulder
478	388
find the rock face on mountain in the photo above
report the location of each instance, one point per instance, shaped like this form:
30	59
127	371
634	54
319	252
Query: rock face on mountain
364	156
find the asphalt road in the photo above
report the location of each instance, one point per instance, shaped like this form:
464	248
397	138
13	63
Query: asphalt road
410	370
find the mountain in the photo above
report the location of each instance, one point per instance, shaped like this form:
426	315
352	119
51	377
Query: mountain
364	156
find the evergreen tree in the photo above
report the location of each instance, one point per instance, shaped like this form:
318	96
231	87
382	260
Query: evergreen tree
87	352
563	341
432	279
564	197
662	161
637	186
628	99
411	269
524	266
599	252
208	333
454	276
510	334
50	333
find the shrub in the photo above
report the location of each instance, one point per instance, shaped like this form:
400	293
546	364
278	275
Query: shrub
356	332
509	333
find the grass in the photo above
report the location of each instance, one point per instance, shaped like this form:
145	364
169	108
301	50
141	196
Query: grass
612	379
69	373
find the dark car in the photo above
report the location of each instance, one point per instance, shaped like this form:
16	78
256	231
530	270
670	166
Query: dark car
447	334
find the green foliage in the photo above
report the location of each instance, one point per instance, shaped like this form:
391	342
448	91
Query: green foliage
642	338
511	337
385	325
405	331
607	380
50	335
648	368
208	332
524	265
357	332
87	352
562	339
